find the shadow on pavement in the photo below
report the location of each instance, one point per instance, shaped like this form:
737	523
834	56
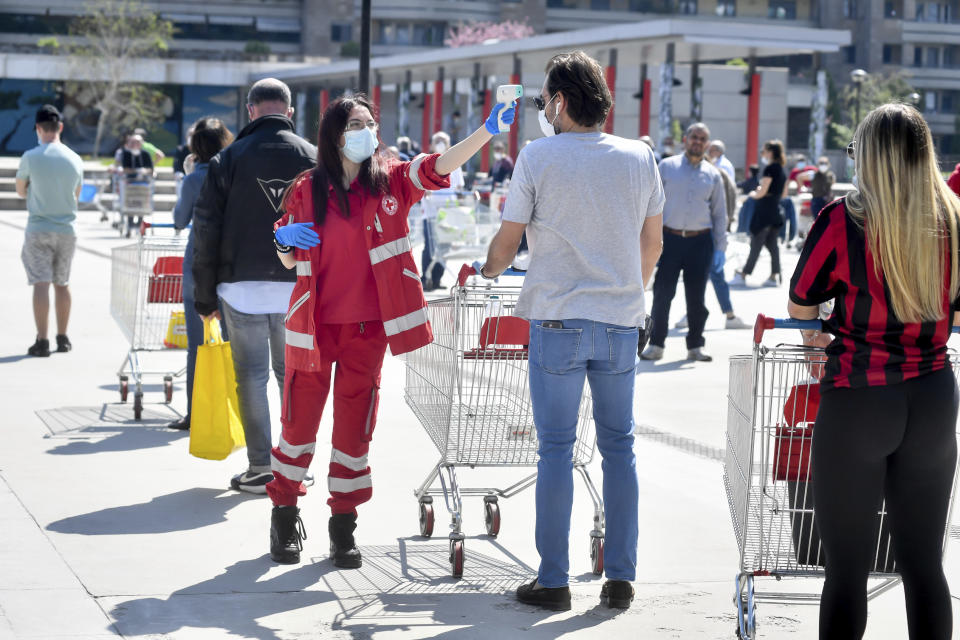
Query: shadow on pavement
234	601
8	359
110	428
108	439
179	511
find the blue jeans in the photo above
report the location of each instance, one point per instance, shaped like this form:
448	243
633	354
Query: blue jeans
257	341
721	288
560	360
789	218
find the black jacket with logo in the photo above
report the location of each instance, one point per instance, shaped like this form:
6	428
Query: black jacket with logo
238	204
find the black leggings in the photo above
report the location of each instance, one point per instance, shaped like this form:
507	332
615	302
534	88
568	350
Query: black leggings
896	442
766	237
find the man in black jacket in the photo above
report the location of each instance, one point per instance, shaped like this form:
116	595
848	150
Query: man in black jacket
236	262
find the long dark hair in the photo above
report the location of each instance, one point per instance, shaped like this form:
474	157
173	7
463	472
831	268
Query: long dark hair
329	170
775	147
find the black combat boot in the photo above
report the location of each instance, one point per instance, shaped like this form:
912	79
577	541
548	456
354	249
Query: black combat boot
343	548
286	535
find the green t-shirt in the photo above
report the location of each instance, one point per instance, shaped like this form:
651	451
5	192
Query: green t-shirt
152	150
53	173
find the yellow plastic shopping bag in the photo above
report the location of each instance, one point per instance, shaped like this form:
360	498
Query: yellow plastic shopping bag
215	427
176	331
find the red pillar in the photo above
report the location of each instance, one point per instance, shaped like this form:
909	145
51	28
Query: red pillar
485	150
645	108
324	100
437	106
611	78
514	128
753	120
426	123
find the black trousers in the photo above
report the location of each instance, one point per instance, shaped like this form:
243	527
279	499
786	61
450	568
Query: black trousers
692	256
895	442
766	237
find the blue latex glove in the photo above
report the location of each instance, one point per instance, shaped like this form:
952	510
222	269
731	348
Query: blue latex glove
509	114
299	235
719	259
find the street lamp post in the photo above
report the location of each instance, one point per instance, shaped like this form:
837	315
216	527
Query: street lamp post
365	47
858	76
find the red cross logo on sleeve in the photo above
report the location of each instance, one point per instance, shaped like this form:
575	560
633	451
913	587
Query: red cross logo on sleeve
389	205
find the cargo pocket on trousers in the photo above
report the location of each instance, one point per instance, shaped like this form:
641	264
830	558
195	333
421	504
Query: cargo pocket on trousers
557	349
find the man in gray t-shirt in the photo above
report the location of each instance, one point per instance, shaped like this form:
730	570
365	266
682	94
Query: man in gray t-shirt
590	204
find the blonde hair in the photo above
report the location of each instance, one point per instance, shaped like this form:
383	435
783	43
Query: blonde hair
907	211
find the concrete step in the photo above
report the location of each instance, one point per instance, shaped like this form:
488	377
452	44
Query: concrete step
162	202
161	187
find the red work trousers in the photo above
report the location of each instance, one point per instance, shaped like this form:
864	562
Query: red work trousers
358	350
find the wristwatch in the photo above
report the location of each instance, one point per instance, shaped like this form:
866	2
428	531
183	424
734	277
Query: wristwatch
485	276
281	248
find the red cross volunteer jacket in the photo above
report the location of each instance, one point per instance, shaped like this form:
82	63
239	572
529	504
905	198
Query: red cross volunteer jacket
403	308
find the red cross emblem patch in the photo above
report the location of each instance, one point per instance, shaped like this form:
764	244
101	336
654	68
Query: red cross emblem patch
389	205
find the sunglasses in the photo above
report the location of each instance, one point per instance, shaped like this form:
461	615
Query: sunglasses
851	149
540	103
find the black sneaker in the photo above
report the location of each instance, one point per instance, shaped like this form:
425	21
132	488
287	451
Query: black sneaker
555	599
286	535
617	594
63	343
183	424
251	481
40	348
343	547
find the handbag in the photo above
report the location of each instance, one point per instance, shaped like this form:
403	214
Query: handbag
215	427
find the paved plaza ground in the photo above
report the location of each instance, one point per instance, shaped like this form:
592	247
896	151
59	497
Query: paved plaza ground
110	528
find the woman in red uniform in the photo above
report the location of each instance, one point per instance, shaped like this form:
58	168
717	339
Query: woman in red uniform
358	291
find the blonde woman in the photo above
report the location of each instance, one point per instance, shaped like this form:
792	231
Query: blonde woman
887	256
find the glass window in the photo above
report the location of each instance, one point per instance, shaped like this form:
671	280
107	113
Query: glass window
850	8
783	9
850	54
687	7
948	101
726	8
600	5
951	57
341	32
893	9
933	57
930	102
918	56
892	54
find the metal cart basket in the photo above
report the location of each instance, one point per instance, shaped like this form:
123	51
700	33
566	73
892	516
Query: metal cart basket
772	406
146	300
469	390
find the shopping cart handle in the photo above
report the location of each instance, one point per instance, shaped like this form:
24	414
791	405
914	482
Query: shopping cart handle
467	271
764	323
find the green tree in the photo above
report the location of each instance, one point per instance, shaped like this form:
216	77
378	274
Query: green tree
877	89
104	41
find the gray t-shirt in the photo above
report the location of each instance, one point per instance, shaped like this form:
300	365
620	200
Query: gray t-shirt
585	197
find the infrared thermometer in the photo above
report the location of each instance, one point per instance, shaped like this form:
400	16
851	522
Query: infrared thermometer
506	94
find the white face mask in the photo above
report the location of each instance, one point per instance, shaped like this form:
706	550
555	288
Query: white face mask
800	164
439	147
359	145
546	126
497	156
668	150
823	167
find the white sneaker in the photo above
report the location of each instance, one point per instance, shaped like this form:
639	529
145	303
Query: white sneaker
772	281
681	324
738	280
736	323
697	355
652	352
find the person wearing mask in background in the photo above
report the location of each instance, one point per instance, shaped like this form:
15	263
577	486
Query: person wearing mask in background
821	186
50	177
155	154
207	137
502	164
766	218
717	155
717	276
888	255
236	269
132	164
694	241
431	262
584	298
345	231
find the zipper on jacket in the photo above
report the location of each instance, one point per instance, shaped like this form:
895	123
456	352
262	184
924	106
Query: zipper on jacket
296	305
373	403
411	274
376	223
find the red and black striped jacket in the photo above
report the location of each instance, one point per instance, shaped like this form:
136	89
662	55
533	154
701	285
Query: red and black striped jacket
871	347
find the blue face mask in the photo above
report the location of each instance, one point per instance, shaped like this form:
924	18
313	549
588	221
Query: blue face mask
359	145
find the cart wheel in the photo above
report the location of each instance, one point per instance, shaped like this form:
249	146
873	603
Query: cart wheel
167	389
456	558
137	405
426	519
596	554
746	610
491	517
124	388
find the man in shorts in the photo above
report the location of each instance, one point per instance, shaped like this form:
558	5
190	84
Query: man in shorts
49	177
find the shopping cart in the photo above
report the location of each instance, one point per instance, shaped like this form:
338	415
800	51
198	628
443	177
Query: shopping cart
772	405
135	198
458	225
146	300
469	390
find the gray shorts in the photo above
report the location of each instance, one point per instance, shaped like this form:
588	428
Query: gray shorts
47	256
